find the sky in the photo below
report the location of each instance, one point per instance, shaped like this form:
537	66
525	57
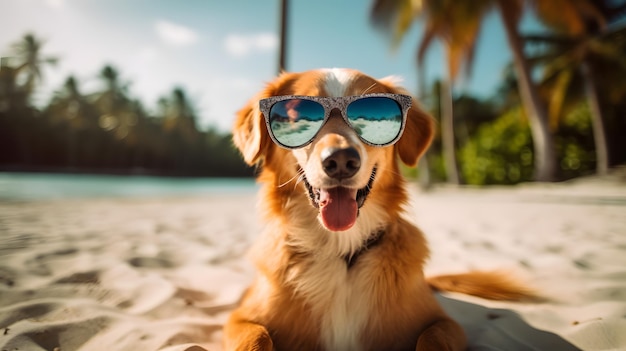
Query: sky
223	52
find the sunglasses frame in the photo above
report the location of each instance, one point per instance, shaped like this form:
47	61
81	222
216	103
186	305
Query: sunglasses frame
330	103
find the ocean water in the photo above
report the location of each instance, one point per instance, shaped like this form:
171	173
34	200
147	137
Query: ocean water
44	186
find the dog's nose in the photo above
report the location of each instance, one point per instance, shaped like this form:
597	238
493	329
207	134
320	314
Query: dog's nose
340	163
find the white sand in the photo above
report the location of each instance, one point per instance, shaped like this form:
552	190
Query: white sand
163	274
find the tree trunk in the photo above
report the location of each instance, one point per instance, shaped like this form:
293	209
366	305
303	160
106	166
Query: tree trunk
597	119
423	174
423	167
284	22
543	141
71	146
447	134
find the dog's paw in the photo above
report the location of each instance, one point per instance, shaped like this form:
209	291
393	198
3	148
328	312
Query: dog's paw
250	338
262	343
444	335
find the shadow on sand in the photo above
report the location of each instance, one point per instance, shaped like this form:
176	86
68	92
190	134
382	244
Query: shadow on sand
500	329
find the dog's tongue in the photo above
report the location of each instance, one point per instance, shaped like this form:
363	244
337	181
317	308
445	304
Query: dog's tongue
338	208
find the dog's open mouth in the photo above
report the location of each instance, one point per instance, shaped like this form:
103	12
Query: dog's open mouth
339	206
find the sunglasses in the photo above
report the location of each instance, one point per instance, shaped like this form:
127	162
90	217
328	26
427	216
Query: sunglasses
294	121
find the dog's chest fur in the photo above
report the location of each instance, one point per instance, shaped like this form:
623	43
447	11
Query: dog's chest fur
339	297
344	307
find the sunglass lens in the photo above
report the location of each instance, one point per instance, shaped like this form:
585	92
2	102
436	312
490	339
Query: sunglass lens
295	122
377	120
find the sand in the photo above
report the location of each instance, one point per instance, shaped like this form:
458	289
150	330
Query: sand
163	273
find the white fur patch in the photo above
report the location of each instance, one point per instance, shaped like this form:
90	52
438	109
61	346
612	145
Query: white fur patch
337	81
344	321
393	80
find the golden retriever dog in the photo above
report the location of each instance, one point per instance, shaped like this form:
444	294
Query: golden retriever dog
339	264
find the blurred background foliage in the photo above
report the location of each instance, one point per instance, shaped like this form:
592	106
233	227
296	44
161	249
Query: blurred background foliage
576	66
107	131
560	111
495	143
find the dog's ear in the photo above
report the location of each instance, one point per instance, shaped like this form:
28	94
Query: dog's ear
249	132
418	131
417	136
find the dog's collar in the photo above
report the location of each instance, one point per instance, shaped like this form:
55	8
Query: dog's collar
372	241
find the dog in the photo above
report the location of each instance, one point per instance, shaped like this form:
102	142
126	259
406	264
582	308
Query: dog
340	267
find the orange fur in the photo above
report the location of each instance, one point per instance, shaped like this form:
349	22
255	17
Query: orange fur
305	296
488	285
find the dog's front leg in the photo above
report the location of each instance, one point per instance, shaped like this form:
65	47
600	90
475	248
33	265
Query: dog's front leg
242	335
444	335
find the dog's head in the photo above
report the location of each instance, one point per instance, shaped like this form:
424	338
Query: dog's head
337	170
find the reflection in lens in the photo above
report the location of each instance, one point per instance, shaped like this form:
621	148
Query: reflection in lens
377	120
295	122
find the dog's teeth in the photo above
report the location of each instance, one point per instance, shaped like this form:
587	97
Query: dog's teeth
361	195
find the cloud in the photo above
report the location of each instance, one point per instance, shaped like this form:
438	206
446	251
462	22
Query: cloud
147	53
175	34
239	45
56	4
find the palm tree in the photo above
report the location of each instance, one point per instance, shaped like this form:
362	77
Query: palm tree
116	116
179	120
179	114
581	48
116	112
543	141
10	94
15	115
456	24
68	104
461	20
68	108
584	58
28	52
571	16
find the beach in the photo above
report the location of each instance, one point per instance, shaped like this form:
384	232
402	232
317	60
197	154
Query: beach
164	272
